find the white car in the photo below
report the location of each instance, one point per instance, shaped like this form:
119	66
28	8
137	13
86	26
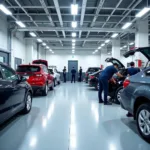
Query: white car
56	76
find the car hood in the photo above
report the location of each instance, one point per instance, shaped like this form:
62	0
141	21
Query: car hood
144	50
114	60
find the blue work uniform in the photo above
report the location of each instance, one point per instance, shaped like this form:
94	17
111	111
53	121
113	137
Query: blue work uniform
73	71
105	75
132	71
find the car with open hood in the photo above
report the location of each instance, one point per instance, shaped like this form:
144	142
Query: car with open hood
135	96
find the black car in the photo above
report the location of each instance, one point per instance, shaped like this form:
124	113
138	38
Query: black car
93	79
90	71
15	93
135	96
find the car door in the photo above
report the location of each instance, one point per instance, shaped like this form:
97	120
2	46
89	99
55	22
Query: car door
14	87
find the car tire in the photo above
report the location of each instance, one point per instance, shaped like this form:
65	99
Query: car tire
117	95
145	120
45	91
28	103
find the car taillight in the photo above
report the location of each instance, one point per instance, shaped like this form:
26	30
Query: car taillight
126	83
92	77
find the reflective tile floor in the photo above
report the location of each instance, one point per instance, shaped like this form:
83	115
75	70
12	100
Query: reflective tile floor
70	118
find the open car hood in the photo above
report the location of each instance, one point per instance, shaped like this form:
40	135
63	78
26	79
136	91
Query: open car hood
144	50
114	60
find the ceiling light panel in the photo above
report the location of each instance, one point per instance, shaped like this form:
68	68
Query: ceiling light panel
32	34
74	9
22	25
74	34
127	25
39	40
74	24
73	40
5	10
107	41
114	35
142	12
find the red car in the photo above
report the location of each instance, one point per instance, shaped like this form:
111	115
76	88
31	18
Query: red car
37	76
40	61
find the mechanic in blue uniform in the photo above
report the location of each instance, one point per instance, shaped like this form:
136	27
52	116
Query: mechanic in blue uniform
73	71
132	71
104	77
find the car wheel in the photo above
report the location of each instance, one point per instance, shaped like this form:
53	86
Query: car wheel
143	121
28	103
52	87
45	91
118	95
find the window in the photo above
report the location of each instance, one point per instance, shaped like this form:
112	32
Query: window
147	72
28	69
9	73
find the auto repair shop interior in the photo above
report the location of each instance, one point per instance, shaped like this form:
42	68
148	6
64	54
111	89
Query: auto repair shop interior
74	75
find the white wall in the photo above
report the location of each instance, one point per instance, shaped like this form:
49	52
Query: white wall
3	32
61	60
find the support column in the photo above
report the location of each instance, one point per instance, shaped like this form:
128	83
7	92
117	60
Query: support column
29	51
141	38
116	48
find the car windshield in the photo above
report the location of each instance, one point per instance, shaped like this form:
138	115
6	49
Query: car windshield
28	69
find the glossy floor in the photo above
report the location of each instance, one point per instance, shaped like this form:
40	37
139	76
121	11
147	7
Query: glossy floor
70	118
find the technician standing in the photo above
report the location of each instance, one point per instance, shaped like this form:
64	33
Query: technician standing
104	77
80	74
132	71
64	74
73	72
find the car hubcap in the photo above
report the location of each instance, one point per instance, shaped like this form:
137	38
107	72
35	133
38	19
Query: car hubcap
29	101
144	122
119	95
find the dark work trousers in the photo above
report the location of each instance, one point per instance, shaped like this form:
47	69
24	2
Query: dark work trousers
73	78
103	86
64	77
80	77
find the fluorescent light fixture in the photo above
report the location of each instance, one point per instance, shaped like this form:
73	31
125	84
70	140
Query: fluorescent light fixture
33	34
142	12
73	40
121	48
96	50
74	9
39	40
109	53
99	47
5	10
107	41
73	44
47	47
22	25
74	34
131	43
44	44
102	45
114	35
74	24
50	50
125	46
93	52
127	25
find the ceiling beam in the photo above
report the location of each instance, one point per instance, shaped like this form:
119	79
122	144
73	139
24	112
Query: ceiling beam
68	7
77	29
66	39
69	48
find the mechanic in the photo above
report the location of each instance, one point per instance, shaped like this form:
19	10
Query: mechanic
104	77
73	71
132	71
64	74
80	74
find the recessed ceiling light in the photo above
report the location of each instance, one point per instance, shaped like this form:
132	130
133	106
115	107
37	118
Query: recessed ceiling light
127	25
107	41
5	10
102	45
114	35
74	34
22	25
131	43
73	40
74	9
74	24
44	44
39	40
142	12
32	34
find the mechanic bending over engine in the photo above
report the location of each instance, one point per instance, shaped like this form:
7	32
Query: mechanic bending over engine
132	71
104	77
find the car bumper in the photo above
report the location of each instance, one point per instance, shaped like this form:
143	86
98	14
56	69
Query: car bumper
37	88
92	83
